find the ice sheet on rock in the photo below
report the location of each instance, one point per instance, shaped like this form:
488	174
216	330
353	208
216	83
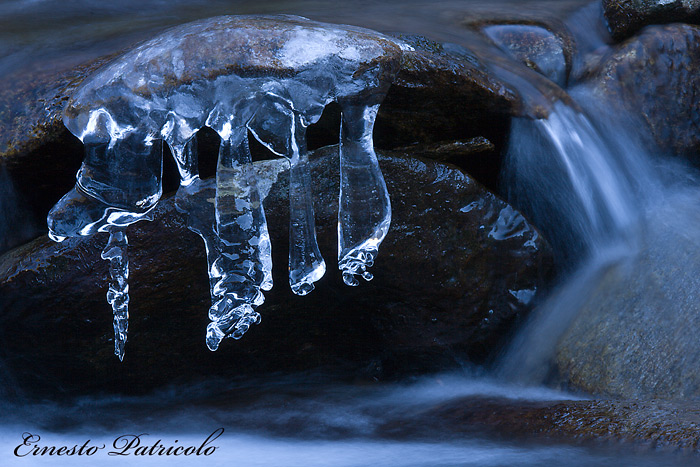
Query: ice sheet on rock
189	69
271	76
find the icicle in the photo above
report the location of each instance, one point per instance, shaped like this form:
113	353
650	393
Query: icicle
275	75
186	158
196	200
364	213
118	294
244	265
180	136
306	265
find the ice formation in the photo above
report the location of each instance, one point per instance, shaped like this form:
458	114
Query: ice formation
118	294
271	76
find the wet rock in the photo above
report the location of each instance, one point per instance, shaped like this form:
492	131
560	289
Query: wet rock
636	333
31	114
425	105
535	46
456	269
657	425
538	38
451	152
434	86
39	155
626	17
655	75
477	156
16	224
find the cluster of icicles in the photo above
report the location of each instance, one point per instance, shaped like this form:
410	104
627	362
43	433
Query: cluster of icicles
270	76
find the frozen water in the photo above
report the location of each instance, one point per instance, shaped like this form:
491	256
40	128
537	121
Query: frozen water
271	76
118	293
243	266
364	213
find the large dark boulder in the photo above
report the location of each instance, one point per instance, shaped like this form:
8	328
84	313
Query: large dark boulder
626	17
425	105
457	268
655	76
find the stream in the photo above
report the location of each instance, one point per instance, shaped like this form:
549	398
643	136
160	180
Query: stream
291	421
611	187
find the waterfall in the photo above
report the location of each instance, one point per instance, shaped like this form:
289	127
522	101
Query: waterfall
581	179
593	185
585	183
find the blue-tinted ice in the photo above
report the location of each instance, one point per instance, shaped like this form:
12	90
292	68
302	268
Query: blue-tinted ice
270	76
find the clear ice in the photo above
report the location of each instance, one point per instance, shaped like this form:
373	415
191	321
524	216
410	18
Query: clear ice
270	76
118	293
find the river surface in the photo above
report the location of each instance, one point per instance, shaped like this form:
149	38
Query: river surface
291	421
280	421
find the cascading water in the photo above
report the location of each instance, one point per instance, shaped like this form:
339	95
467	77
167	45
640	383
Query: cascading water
585	179
584	184
608	181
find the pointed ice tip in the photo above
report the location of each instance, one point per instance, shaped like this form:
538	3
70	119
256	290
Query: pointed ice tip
213	343
214	336
119	351
349	279
303	288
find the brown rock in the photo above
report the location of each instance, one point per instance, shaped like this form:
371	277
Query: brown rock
457	267
432	90
535	46
626	17
656	425
655	75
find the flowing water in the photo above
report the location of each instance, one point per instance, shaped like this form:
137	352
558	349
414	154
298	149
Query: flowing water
290	422
607	180
602	172
617	198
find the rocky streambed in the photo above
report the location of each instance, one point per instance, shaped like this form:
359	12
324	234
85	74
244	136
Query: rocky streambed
462	269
